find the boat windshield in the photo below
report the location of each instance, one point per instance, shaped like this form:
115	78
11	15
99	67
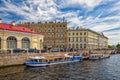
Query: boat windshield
38	60
34	60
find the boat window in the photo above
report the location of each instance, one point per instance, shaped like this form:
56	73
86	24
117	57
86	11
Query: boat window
30	60
51	60
44	60
60	58
35	60
56	59
66	58
40	60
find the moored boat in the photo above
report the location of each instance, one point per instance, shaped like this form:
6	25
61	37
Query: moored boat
52	60
96	56
106	55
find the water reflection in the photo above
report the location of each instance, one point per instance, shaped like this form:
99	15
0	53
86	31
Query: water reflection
106	69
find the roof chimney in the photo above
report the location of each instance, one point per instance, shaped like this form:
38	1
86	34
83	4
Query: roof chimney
20	22
0	20
13	23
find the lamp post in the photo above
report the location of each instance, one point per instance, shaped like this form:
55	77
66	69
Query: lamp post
40	45
50	47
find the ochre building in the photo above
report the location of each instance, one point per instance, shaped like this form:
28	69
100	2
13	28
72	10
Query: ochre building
81	38
12	36
55	32
58	36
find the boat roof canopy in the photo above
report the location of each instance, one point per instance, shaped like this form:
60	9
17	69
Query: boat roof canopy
38	57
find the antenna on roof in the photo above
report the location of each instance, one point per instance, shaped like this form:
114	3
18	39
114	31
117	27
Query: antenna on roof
0	20
63	19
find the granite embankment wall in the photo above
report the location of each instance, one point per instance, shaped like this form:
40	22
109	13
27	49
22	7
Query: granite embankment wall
16	59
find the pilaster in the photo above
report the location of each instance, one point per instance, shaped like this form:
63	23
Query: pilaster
3	44
19	44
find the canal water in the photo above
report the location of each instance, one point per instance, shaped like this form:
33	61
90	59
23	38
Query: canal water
105	69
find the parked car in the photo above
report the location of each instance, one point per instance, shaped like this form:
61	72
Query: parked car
71	49
63	50
18	50
33	50
55	50
43	50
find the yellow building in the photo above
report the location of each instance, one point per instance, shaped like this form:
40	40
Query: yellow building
12	36
102	41
82	38
55	32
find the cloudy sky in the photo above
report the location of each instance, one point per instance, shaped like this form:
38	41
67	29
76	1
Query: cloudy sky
98	15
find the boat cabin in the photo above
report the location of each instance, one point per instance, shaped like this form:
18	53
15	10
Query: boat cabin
38	59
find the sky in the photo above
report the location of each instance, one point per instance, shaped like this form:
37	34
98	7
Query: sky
98	15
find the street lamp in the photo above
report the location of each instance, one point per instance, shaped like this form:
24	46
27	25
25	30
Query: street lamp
40	45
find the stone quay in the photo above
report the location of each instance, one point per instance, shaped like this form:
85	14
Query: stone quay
8	59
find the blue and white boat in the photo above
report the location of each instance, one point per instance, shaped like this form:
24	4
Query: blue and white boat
52	60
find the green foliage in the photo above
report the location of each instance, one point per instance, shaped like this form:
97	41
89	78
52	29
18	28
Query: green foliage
118	45
114	46
110	46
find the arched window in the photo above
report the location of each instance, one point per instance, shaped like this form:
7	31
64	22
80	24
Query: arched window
25	43
11	42
0	43
41	40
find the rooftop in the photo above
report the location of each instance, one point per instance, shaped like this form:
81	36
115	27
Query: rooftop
4	26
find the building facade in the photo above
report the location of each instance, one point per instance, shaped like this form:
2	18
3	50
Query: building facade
55	33
12	37
81	38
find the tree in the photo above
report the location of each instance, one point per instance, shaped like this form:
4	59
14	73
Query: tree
118	45
110	46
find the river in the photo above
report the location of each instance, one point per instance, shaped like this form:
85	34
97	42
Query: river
105	69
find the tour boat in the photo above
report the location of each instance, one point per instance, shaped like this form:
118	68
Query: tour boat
96	56
52	60
99	56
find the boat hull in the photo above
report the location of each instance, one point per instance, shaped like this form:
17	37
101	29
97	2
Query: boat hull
48	64
36	65
46	61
